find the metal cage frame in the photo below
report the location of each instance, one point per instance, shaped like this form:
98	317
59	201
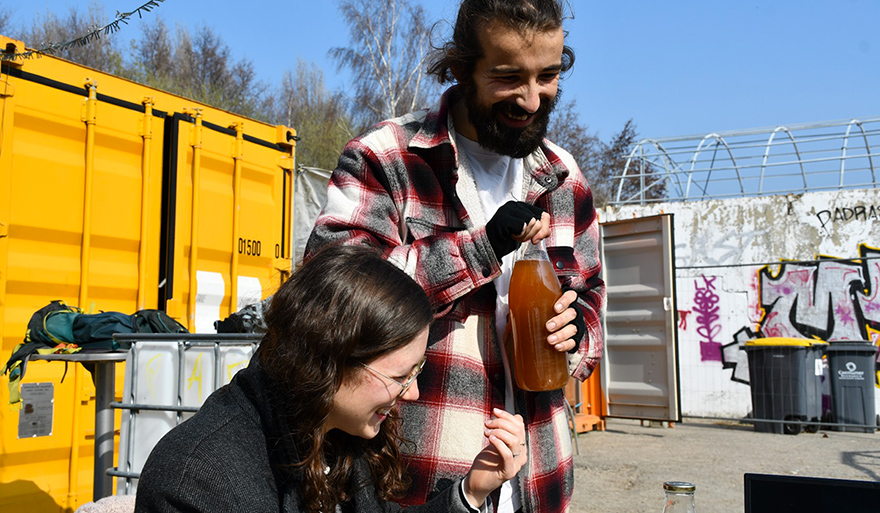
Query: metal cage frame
789	159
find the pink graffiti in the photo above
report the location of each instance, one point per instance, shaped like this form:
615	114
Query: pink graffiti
706	301
844	313
755	306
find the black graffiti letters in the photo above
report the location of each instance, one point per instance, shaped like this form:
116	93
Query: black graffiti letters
842	214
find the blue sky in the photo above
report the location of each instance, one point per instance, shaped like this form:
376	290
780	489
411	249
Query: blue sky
679	67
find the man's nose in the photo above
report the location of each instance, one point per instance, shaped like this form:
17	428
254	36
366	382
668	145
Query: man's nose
529	97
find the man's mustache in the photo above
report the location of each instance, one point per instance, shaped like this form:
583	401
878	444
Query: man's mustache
513	109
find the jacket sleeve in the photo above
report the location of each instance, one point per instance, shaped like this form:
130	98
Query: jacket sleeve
198	486
591	301
449	500
578	267
190	473
366	204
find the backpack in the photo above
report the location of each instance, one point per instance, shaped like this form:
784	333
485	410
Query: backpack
52	324
155	321
48	327
59	327
250	319
95	331
69	325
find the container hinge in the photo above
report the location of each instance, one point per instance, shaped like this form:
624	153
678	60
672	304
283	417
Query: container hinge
4	230
285	162
175	309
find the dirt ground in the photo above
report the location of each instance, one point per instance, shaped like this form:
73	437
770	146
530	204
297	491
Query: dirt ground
622	469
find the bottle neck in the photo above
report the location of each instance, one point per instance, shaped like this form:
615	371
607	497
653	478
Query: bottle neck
529	251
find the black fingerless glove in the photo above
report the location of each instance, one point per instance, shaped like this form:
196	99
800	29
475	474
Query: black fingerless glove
578	323
509	220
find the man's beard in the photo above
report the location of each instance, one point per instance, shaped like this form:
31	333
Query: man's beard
494	135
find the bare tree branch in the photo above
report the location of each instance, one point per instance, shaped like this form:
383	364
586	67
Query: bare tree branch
101	53
602	164
390	41
320	117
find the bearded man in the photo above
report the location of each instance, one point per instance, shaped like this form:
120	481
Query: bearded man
448	194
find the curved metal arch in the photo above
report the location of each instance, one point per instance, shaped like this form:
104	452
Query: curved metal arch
718	139
670	175
814	144
767	154
867	150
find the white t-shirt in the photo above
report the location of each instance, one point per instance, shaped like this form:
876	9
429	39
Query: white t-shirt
499	179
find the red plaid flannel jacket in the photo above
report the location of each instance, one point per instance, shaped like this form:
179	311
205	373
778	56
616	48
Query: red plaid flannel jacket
398	187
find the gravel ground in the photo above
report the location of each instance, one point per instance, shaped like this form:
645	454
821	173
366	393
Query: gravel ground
622	469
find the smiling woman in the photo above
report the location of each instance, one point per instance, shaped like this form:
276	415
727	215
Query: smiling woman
311	424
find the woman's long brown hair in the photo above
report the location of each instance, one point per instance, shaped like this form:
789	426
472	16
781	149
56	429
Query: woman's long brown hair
345	306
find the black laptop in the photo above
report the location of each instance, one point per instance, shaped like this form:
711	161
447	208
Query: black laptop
766	493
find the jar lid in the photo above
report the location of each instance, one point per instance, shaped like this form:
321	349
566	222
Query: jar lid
679	486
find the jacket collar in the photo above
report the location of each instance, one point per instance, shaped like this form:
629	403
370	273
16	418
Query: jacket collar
434	131
279	442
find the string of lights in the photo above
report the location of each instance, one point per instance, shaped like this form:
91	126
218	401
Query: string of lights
96	33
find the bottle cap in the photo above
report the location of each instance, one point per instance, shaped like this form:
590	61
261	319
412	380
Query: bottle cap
678	486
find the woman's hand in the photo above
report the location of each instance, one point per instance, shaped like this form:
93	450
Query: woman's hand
500	460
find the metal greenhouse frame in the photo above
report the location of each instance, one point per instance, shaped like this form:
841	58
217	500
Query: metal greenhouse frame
766	161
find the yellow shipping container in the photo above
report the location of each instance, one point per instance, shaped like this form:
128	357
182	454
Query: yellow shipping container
115	196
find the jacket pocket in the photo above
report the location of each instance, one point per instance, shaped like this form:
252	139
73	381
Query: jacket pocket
562	258
420	229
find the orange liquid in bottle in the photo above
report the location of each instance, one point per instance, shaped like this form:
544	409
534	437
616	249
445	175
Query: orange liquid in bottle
538	366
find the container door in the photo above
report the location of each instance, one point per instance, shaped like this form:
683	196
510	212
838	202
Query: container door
84	217
640	367
79	219
227	224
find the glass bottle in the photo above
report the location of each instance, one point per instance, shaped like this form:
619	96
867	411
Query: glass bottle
534	289
679	497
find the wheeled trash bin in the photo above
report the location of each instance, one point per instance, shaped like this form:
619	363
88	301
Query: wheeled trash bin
785	375
851	367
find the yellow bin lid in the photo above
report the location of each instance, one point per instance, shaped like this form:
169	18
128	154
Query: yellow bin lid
783	341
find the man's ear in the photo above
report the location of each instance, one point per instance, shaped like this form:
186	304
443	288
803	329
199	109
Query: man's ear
457	73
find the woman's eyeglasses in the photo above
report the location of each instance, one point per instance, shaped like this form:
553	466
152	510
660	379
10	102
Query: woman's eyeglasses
406	384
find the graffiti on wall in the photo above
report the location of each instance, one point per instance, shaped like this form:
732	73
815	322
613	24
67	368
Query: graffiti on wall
827	299
844	214
707	318
683	319
727	248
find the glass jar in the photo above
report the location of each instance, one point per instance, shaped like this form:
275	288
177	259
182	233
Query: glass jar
679	497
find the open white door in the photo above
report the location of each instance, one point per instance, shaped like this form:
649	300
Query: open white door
640	367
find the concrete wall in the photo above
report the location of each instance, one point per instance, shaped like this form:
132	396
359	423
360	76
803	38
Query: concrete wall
760	267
